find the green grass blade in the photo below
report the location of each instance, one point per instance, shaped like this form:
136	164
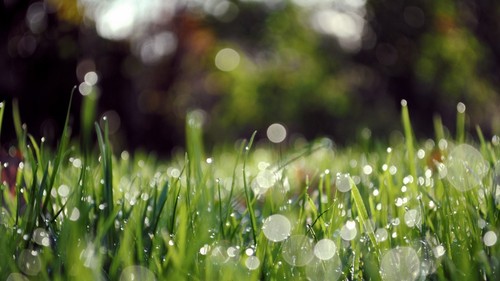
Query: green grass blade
160	205
2	110
363	214
438	128
61	149
248	198
16	116
460	123
107	172
410	149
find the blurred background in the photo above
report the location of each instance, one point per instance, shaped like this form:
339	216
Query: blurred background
336	68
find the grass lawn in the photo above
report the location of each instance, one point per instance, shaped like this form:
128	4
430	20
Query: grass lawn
411	210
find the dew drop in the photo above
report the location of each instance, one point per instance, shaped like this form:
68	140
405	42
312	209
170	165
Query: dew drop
319	270
325	249
342	182
381	234
136	273
399	202
438	251
348	232
466	167
17	277
393	170
249	252
367	169
41	237
63	190
265	179
276	133
421	154
298	250
75	214
490	238
232	252
204	250
461	107
29	262
481	223
227	59
77	163
277	228
252	263
219	255
412	218
400	263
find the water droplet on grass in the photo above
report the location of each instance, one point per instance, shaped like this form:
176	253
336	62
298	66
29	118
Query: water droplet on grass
17	277
252	262
490	238
319	270
277	228
413	218
400	263
204	250
348	232
137	273
298	250
481	223
421	154
63	190
461	107
399	202
41	237
249	252
75	214
265	179
466	167
276	133
342	182
219	255
233	252
438	251
367	169
227	59
77	163
325	249
29	262
381	234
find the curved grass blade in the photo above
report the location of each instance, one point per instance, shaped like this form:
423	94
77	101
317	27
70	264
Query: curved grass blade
249	203
59	155
363	214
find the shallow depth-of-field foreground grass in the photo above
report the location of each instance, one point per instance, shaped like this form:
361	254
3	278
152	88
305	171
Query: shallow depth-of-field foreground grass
258	211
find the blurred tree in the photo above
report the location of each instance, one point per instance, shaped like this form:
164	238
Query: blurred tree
328	67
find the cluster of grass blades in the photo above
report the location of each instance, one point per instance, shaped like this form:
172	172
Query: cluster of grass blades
424	210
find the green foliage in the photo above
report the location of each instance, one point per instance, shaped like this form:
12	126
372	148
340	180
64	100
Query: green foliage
101	216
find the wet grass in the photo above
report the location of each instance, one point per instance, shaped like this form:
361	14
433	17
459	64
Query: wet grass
402	211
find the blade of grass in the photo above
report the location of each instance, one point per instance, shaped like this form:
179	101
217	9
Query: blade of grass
363	214
410	149
438	127
107	172
460	123
253	220
59	155
2	110
16	116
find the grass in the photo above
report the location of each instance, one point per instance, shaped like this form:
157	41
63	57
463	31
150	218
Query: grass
83	213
